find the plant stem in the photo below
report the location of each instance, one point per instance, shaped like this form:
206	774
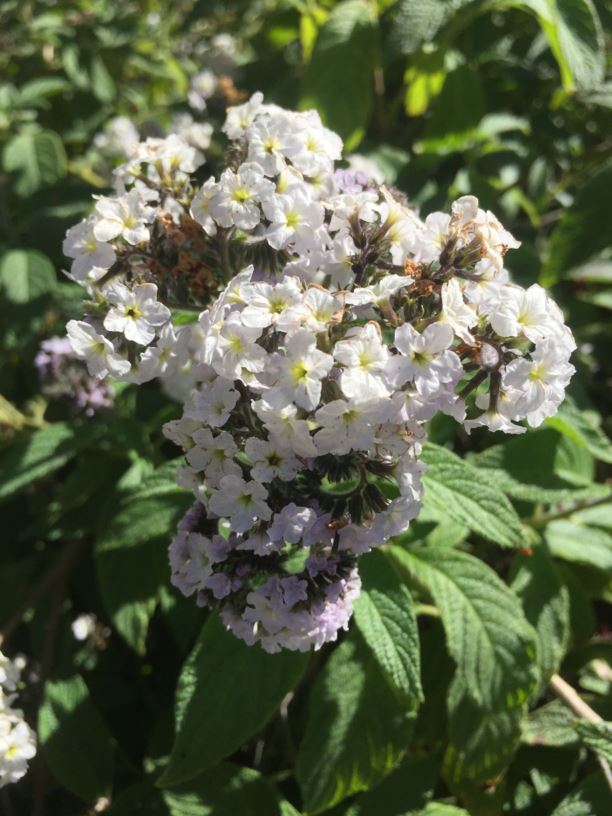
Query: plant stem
542	521
427	609
575	703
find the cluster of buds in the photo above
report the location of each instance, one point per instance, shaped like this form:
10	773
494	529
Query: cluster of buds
338	323
17	740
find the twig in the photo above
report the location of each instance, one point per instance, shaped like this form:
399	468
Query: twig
575	703
542	521
573	700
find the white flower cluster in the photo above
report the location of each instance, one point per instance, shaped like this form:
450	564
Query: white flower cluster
17	740
126	253
317	366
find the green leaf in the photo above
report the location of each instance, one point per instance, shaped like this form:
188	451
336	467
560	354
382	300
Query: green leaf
590	798
384	614
529	468
456	112
545	601
34	455
102	83
37	91
551	724
407	788
227	692
356	732
38	158
345	49
26	275
569	246
141	525
583	427
440	809
597	736
487	634
481	743
225	790
575	36
458	490
75	740
577	542
412	24
493	648
424	79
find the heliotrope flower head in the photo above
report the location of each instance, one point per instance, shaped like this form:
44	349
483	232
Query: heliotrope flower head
339	322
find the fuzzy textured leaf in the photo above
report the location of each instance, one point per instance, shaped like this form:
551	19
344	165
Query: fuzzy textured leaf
339	77
357	730
37	157
34	455
75	740
26	275
460	491
597	736
384	614
545	601
141	525
214	717
573	541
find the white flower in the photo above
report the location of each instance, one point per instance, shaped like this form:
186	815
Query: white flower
17	746
522	311
161	359
424	359
285	428
433	237
268	142
203	86
314	148
136	312
118	137
293	218
346	426
337	262
320	308
267	304
240	117
541	382
236	200
459	316
291	523
365	359
124	216
236	349
83	626
300	371
196	134
92	258
213	455
242	502
10	672
270	460
97	350
213	403
200	206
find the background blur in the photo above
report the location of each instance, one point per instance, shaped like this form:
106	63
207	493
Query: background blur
509	100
